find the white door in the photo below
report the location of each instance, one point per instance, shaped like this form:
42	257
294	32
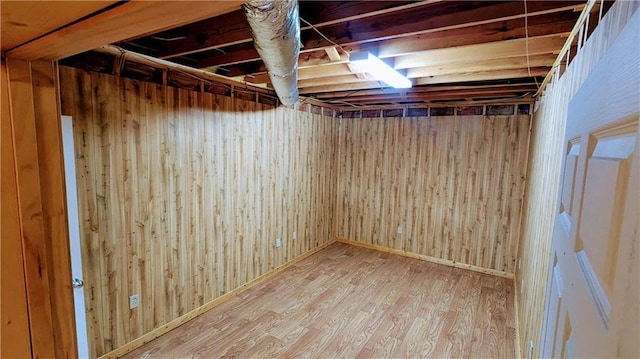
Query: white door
592	305
74	236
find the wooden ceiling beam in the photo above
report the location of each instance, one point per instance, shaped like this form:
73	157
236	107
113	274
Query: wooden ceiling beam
232	28
498	91
23	21
237	54
235	68
558	23
554	24
128	20
261	78
497	51
492	68
423	89
325	13
483	76
307	73
512	63
335	80
344	106
431	18
488	51
455	28
332	53
213	33
343	87
338	69
432	98
488	73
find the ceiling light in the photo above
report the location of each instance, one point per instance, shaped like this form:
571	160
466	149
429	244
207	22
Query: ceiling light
367	62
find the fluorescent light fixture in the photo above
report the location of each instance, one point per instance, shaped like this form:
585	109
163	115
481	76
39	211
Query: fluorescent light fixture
379	69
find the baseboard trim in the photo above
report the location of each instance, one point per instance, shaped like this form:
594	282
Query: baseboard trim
140	341
427	258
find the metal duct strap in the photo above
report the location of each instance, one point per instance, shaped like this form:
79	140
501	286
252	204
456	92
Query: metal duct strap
275	27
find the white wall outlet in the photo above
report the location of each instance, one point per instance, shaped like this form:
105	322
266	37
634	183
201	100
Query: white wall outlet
278	242
134	301
519	263
400	230
294	235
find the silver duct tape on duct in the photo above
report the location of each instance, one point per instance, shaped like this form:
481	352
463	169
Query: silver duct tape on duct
275	27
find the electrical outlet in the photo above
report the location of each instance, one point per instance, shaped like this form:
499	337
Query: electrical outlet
278	242
530	349
519	263
400	230
294	235
134	301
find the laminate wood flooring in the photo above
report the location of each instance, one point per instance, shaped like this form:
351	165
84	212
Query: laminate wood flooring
351	302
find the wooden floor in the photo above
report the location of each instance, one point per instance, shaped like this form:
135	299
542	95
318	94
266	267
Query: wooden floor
351	302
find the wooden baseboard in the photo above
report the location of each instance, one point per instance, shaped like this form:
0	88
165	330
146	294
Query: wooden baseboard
427	258
136	343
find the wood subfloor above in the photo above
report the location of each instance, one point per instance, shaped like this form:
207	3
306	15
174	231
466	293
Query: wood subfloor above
352	302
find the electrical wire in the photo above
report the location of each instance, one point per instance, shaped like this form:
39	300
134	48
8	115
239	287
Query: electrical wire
323	36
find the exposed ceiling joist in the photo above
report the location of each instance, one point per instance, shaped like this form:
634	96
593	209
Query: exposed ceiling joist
492	50
335	80
231	29
343	87
555	24
307	73
340	74
431	89
140	17
430	18
413	22
497	91
332	53
512	63
21	24
483	76
460	51
429	98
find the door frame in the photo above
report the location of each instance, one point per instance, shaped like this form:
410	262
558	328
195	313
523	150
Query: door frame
73	219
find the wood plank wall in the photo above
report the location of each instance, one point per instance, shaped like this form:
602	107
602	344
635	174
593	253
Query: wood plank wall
182	195
545	172
454	184
35	138
16	341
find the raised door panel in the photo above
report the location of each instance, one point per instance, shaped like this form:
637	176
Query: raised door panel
604	195
568	180
602	237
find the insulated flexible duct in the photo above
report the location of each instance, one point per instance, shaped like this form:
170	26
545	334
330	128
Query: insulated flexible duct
275	27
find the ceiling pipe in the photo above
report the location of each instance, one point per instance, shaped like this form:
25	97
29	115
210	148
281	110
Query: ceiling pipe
275	27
